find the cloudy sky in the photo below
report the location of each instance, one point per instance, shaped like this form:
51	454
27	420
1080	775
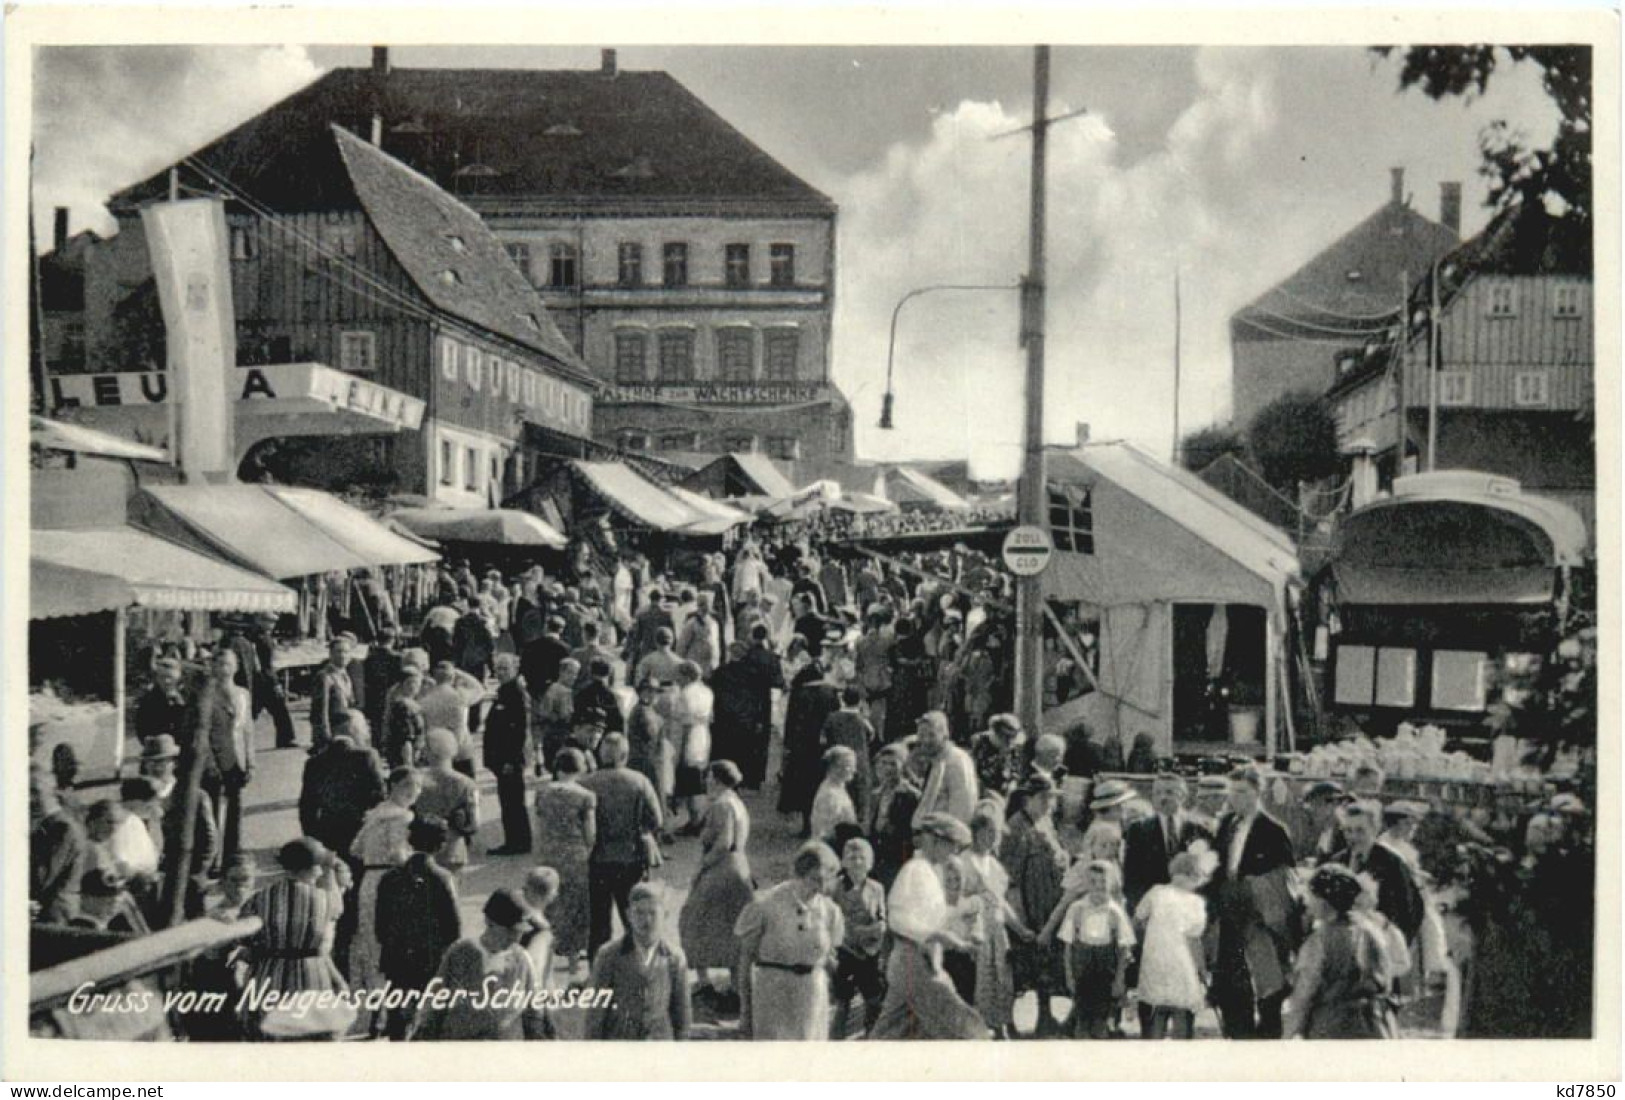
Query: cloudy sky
1230	165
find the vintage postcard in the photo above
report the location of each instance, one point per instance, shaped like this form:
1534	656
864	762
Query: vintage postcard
868	526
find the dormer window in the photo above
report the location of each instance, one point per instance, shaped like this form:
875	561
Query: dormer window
451	278
1566	301
457	244
562	129
1354	275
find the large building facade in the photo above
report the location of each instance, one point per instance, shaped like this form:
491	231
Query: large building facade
691	272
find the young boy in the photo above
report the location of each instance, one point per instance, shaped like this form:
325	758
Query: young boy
857	960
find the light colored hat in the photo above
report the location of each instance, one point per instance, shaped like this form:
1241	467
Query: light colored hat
161	747
1108	793
947	827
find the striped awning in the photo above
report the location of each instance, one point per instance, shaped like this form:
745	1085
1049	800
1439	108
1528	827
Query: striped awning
83	571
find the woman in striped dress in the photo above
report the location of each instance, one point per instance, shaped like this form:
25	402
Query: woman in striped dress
291	952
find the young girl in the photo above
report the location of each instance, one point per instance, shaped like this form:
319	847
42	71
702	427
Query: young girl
1172	962
986	876
1099	937
965	919
832	805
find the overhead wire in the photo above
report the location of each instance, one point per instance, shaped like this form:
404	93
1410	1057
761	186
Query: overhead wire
391	298
1389	313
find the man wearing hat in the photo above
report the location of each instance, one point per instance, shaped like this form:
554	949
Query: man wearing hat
1254	913
998	753
950	784
921	1002
265	690
157	765
1107	797
162	709
1211	802
493	961
1320	836
1037	863
332	693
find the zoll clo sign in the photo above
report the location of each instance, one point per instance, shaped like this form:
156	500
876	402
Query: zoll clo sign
1027	551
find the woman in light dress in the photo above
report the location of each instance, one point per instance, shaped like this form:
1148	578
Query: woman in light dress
787	941
690	728
567	829
986	877
723	886
380	846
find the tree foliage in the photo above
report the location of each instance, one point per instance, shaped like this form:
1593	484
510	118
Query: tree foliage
1205	446
1519	175
1293	439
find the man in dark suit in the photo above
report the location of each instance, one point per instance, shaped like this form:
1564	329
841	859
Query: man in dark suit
539	663
340	784
1398	898
507	743
628	819
1254	912
1152	841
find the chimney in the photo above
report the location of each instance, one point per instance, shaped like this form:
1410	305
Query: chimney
59	234
1080	431
1450	207
1398	175
380	72
606	63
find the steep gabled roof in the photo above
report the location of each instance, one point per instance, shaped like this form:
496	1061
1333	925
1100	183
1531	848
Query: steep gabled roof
1350	288
573	137
447	251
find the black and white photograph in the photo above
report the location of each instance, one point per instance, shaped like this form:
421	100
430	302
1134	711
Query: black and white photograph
575	540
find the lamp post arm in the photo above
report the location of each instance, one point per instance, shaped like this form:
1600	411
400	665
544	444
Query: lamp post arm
891	343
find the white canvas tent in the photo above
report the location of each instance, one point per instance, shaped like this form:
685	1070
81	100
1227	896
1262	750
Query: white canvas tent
1178	581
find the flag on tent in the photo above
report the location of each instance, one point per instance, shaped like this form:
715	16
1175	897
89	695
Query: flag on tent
1071	518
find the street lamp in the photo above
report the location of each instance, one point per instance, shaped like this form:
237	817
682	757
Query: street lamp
886	400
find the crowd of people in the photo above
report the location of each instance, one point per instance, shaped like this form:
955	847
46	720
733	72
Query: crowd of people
949	863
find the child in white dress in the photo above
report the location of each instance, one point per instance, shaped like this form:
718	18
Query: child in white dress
1172	962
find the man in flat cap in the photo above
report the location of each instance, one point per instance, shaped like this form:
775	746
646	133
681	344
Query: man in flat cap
921	1002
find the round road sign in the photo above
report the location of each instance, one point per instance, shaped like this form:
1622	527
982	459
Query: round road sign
1027	551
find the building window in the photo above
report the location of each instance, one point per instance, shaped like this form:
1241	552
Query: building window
1455	387
630	257
735	352
1460	680
472	369
782	347
1532	388
1503	300
631	357
1366	676
562	268
677	355
358	351
448	358
786	447
448	463
782	265
496	471
343	238
471	469
736	265
633	441
244	245
1566	301
675	259
519	253
679	441
739	444
1072	517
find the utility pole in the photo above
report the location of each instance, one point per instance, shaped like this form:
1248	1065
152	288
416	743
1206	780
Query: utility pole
1403	344
1433	365
1176	365
1030	507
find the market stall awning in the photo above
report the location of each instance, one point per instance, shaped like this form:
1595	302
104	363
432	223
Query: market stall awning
492	526
55	435
717	516
352	527
904	484
87	570
636	497
245	524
